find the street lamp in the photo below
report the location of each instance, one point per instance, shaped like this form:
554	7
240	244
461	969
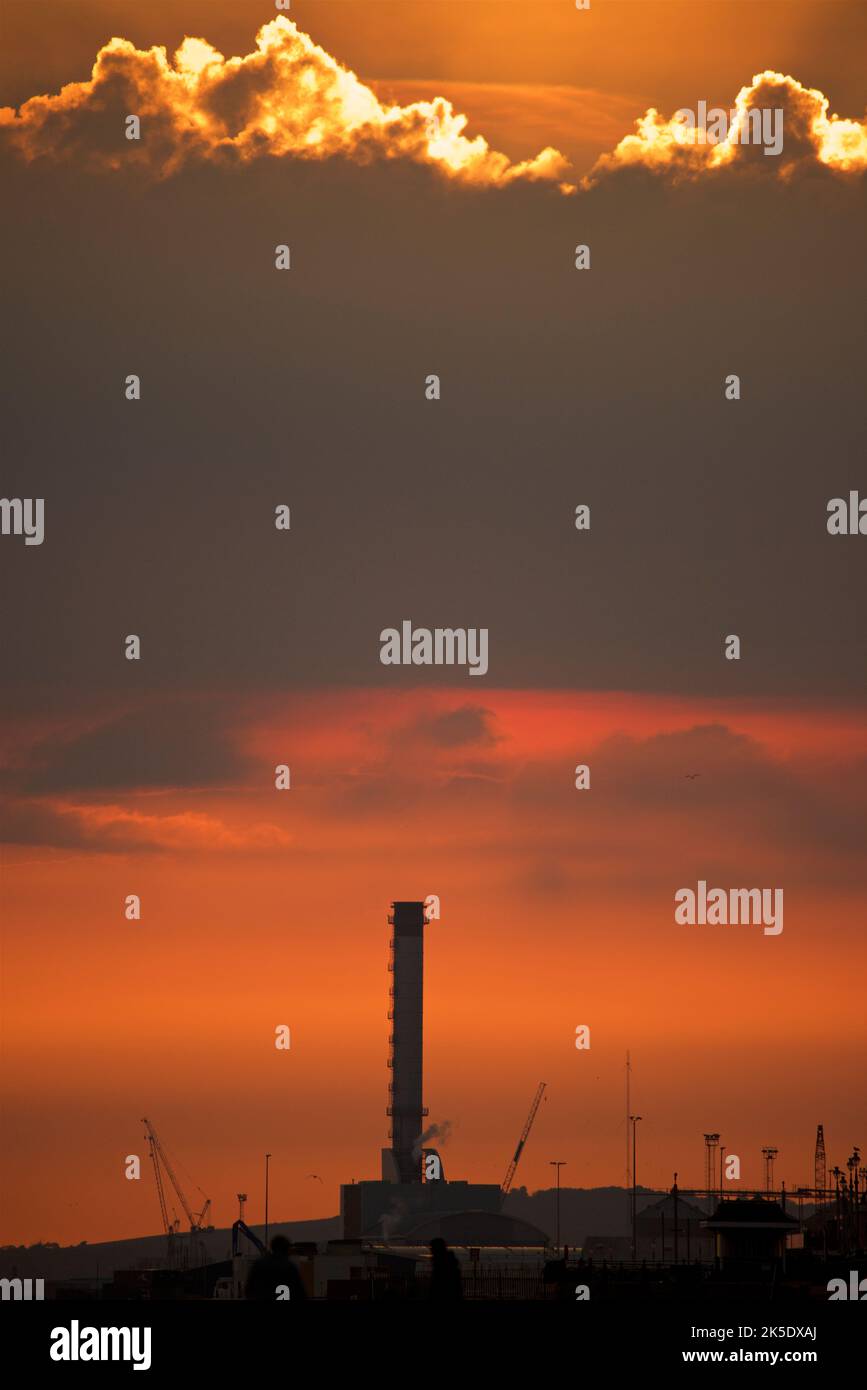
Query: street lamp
267	1162
557	1163
633	1119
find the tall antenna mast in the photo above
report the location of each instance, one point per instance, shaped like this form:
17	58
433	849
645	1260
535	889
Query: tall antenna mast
820	1175
628	1113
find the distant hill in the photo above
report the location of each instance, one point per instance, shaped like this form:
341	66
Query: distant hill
92	1261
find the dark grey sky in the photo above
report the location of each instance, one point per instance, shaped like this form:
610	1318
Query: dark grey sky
307	387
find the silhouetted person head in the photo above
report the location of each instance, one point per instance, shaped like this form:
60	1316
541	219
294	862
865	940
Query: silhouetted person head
275	1271
445	1273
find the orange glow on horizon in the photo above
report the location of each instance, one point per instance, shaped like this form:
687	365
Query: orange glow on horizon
431	791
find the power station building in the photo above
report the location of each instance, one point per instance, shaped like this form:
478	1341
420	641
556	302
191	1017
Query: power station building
412	1195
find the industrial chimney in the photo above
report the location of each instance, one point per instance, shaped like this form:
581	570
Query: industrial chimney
391	1207
406	965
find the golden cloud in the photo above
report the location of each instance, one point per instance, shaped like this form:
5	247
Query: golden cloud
680	149
288	98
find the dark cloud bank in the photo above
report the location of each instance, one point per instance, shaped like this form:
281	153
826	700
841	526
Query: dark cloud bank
306	387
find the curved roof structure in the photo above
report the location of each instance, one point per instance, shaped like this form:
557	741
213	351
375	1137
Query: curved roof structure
474	1228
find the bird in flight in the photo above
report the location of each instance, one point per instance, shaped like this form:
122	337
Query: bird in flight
691	775
314	1175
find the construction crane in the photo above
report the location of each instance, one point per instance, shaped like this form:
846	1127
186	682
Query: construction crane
537	1100
168	1226
159	1158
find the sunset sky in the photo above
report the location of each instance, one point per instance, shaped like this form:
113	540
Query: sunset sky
414	254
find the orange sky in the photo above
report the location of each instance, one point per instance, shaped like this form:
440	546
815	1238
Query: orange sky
399	796
261	908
